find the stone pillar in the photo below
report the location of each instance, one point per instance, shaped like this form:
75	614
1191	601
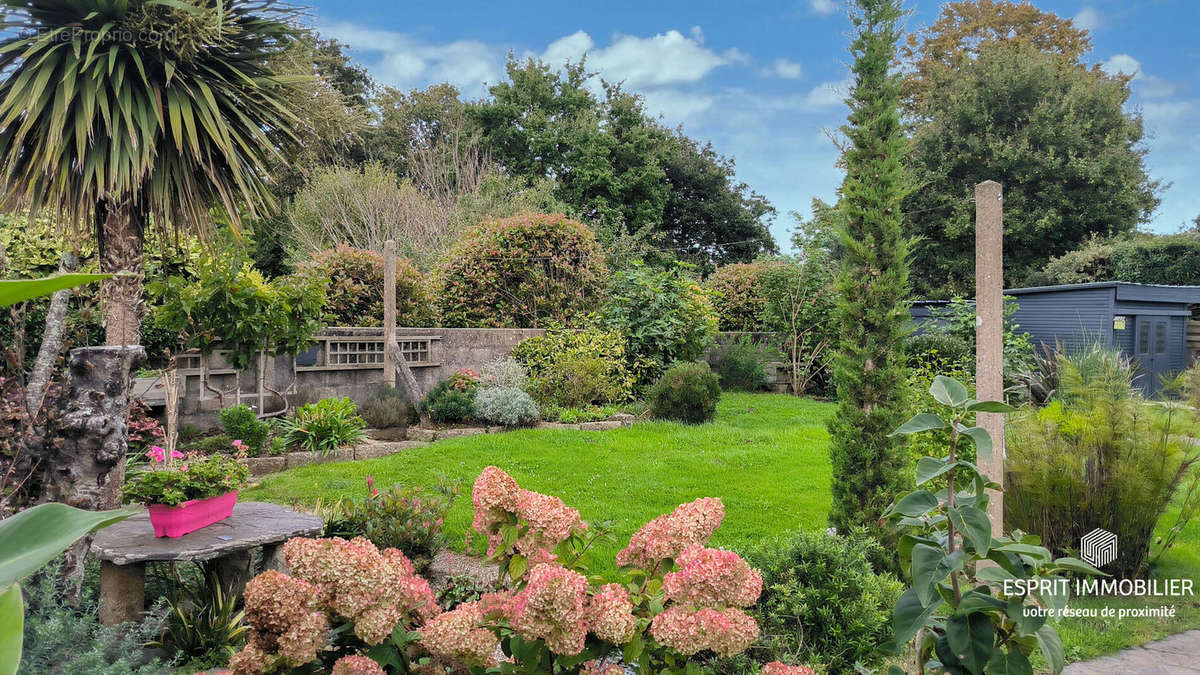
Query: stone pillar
389	311
989	330
122	592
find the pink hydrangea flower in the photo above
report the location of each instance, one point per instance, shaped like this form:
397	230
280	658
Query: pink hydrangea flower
551	608
550	521
668	535
357	664
459	636
726	632
358	582
710	577
595	667
610	615
777	668
493	495
287	627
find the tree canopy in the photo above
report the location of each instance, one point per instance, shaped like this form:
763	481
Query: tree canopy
1053	133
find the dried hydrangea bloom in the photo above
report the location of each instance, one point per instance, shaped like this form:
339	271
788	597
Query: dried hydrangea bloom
777	668
357	664
550	521
287	629
726	632
497	606
494	490
595	667
668	535
374	589
710	577
459	636
610	615
551	608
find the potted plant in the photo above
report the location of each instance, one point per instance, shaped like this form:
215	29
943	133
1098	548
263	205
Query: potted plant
187	492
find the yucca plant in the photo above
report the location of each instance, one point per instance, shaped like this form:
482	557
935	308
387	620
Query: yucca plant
123	114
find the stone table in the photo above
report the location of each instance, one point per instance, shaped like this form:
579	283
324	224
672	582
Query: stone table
228	545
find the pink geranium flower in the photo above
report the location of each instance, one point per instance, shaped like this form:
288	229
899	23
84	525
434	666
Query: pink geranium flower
156	453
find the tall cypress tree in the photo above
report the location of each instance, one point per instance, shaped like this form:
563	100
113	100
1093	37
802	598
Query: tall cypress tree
872	313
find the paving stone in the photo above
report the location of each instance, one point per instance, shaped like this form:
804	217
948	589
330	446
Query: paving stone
557	425
625	419
421	434
261	466
604	425
1176	654
388	434
461	431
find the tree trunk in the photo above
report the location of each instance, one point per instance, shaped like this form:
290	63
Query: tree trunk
52	343
80	467
119	233
412	390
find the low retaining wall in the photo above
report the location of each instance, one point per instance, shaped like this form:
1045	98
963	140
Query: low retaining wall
344	361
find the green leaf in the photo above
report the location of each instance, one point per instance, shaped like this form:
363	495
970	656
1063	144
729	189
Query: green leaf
970	638
12	292
929	468
1074	565
34	537
982	440
994	574
12	629
1012	662
1027	624
915	503
975	525
925	570
991	407
919	423
1052	648
977	601
948	391
517	567
910	615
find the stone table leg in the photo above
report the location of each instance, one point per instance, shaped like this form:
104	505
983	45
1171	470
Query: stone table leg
234	571
122	592
273	558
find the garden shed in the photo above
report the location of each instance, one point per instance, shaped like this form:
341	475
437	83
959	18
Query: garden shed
1147	322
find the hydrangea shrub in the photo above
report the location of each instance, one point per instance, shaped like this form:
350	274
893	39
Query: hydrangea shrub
673	597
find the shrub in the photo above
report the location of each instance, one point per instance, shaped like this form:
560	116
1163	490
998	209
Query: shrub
67	638
1097	456
520	272
141	429
556	359
939	352
203	627
409	519
822	601
507	406
663	314
355	295
1172	260
1093	261
505	372
387	408
687	392
324	426
800	297
446	404
958	320
241	423
741	363
737	296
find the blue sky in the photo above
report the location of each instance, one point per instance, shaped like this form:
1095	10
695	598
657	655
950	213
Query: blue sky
762	80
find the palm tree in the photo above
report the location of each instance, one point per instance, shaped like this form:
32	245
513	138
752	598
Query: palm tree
123	114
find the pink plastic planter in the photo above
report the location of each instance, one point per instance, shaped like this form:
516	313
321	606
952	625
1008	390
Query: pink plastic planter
176	521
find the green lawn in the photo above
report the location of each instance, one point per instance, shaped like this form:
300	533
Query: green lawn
765	455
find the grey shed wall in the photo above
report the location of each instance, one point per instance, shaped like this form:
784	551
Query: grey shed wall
1070	318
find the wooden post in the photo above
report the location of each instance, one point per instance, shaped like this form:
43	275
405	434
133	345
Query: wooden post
989	332
389	311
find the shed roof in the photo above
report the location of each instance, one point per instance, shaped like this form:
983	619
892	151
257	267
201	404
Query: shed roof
1125	290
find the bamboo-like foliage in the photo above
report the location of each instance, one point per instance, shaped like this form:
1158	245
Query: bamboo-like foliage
168	106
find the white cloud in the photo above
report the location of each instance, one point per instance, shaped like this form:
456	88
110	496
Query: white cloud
676	106
405	61
1166	112
663	59
823	7
1088	19
1149	86
829	93
788	70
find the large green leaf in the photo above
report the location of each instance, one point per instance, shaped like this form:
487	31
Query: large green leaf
929	468
1052	648
910	614
1012	662
948	391
990	407
915	503
12	629
982	439
14	291
35	536
925	569
975	525
970	637
919	423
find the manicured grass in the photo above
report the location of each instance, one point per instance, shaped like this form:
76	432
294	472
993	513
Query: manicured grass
765	456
